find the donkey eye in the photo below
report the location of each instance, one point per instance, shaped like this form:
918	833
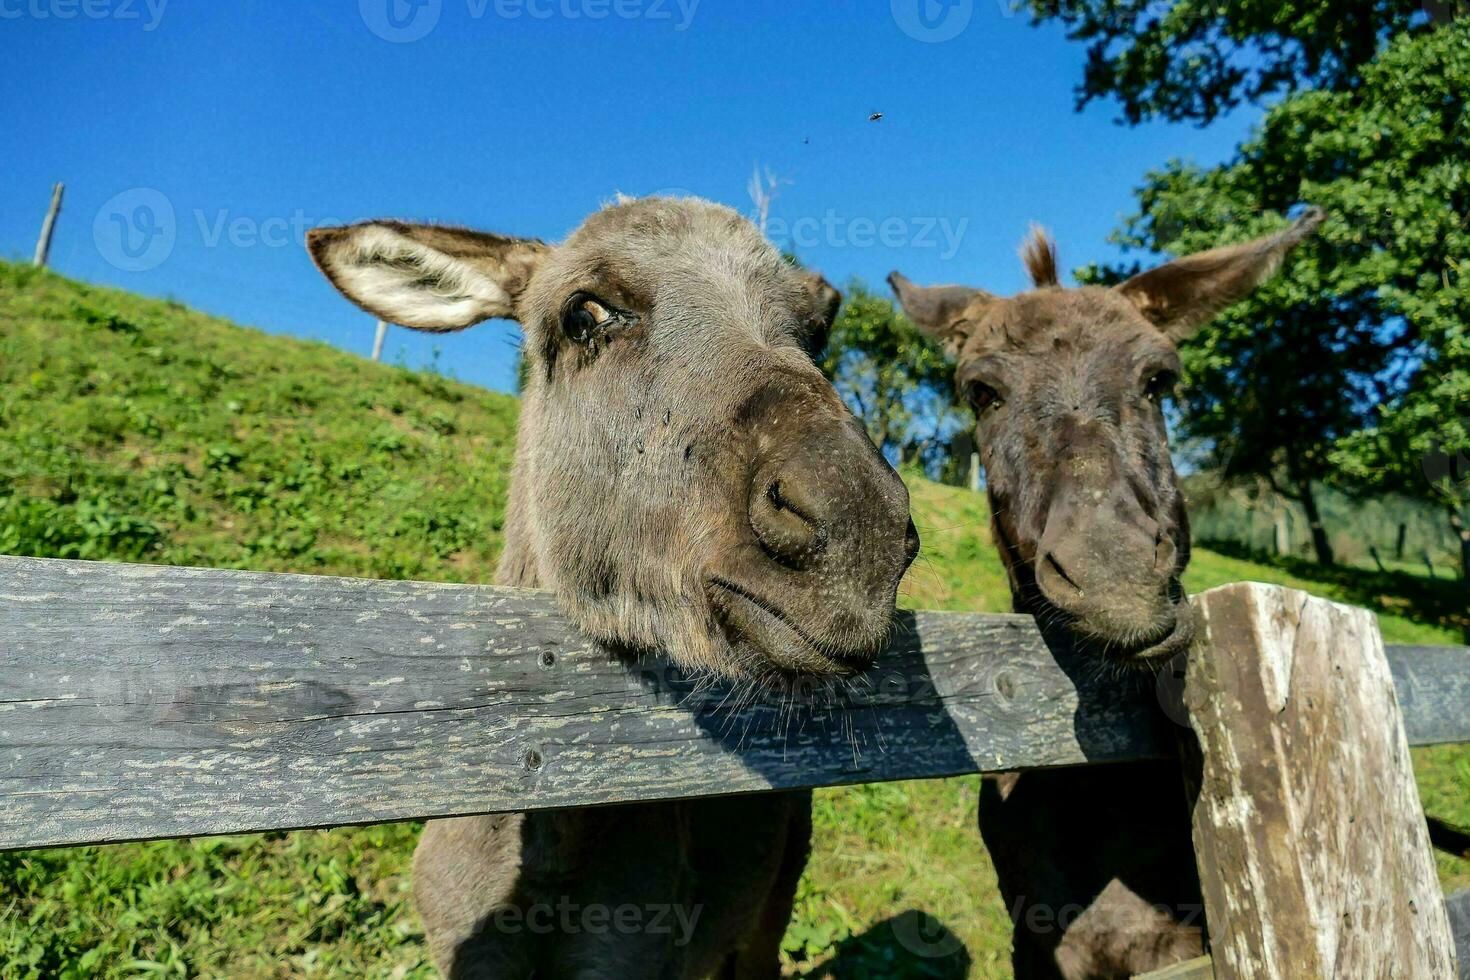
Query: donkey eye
1160	386
981	396
583	318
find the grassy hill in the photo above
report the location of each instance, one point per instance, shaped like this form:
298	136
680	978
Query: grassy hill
140	430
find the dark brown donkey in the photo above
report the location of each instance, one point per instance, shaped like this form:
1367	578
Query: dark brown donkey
1067	385
685	480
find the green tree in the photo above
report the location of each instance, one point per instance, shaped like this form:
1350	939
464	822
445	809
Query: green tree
1276	379
896	379
1194	59
1357	354
1416	167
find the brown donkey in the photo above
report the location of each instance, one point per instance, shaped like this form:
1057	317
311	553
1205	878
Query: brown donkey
685	480
1095	865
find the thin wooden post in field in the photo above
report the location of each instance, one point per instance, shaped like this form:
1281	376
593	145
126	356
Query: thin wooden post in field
43	244
1312	847
378	339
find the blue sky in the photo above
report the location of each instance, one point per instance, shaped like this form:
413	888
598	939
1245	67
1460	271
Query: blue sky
197	141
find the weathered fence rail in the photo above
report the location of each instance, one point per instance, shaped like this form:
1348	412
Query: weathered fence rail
150	701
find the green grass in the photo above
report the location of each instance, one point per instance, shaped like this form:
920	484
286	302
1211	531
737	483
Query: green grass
140	430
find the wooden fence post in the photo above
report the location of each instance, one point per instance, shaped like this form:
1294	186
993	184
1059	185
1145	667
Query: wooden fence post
1310	837
43	244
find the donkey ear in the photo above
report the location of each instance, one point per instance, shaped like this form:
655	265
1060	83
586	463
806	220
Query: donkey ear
428	277
1181	296
826	300
937	310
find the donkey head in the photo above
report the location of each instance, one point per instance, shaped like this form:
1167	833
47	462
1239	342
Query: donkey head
686	479
1067	387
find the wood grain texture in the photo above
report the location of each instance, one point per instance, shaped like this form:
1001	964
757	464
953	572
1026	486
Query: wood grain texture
1458	907
1310	838
1433	685
150	701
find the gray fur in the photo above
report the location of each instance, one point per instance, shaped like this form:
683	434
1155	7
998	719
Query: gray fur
685	479
1095	865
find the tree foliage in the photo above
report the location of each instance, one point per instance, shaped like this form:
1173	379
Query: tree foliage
1194	59
1420	442
896	379
1353	364
1413	170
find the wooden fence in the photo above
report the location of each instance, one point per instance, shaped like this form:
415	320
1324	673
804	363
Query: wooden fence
150	701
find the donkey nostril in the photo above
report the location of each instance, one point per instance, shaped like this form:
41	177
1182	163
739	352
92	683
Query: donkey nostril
1061	572
790	512
786	532
773	494
910	544
1165	553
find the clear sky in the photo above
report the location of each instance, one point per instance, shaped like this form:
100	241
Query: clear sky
198	140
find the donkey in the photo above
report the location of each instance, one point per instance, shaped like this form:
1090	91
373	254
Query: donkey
1067	386
685	479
